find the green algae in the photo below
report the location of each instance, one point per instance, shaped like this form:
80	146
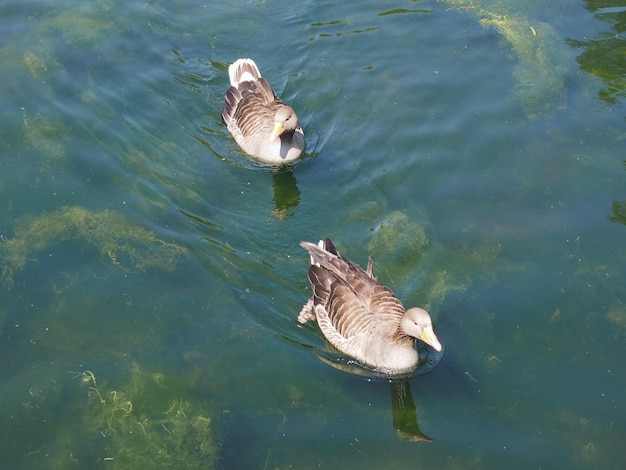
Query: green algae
114	236
35	65
542	65
619	212
400	243
48	138
603	55
402	247
88	24
147	422
540	52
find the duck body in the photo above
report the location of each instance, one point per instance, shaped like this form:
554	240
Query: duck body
361	317
260	122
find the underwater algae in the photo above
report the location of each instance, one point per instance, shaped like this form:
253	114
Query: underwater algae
603	55
619	212
541	68
403	243
48	138
117	238
400	242
541	55
399	233
37	66
148	422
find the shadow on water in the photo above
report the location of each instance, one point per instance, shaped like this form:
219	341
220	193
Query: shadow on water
404	413
403	409
286	193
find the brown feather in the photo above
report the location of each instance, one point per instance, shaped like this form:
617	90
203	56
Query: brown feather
251	111
360	316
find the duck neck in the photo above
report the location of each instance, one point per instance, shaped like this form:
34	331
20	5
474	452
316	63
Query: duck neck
401	337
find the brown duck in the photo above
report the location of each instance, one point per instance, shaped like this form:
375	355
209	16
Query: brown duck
260	122
361	317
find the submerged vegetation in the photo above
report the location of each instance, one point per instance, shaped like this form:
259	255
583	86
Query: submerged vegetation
540	52
399	236
47	138
603	55
147	422
95	102
542	65
399	245
123	242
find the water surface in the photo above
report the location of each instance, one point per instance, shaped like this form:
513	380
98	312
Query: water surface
151	273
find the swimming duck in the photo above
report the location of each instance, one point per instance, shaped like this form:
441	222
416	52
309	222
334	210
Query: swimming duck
260	122
361	317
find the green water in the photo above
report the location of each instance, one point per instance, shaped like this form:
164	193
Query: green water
151	274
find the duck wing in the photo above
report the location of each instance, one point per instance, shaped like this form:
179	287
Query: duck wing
256	116
250	108
348	299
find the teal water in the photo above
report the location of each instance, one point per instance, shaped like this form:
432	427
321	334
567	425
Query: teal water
151	273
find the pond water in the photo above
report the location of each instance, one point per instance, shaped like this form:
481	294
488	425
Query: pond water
152	274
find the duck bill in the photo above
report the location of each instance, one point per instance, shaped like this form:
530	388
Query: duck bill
429	337
278	129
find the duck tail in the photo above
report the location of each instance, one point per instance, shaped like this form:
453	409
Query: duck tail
243	70
322	253
327	245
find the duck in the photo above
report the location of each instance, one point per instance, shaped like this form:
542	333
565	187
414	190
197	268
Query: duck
259	121
361	317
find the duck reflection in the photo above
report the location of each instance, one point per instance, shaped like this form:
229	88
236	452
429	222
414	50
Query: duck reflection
404	413
286	192
403	410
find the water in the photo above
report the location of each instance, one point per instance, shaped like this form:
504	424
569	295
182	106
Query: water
151	273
